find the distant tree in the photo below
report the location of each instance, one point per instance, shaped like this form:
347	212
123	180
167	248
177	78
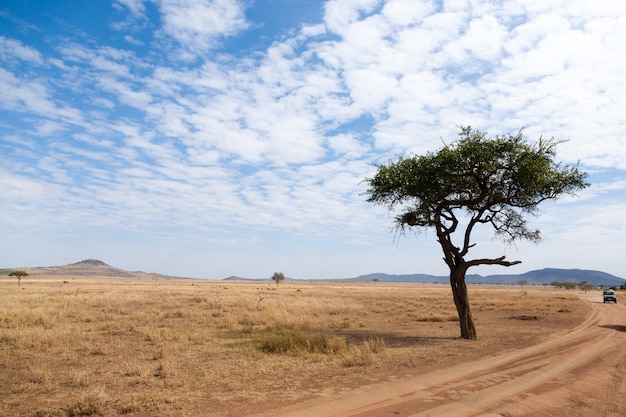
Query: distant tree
568	285
375	280
585	286
475	181
522	282
278	277
19	275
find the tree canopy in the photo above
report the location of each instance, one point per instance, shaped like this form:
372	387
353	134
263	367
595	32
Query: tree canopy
474	181
19	275
277	277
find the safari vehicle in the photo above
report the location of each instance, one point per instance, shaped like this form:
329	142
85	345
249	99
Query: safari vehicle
609	295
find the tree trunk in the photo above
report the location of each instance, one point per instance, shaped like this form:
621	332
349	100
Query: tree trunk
461	300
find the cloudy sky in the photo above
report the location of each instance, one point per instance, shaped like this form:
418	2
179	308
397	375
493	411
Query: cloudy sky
210	138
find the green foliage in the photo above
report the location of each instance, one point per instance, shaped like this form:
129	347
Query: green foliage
277	277
565	284
568	285
475	181
495	181
19	275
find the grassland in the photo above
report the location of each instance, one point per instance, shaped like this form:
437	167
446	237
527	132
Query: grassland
74	346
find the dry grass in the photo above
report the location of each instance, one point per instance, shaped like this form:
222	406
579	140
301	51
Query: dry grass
108	347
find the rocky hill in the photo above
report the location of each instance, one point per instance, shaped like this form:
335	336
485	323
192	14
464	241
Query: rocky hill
88	267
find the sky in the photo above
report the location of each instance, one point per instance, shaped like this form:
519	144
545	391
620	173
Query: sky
217	138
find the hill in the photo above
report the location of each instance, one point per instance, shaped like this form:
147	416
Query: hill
549	275
86	268
536	277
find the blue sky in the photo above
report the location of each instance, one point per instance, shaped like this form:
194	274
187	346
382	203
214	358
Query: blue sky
210	138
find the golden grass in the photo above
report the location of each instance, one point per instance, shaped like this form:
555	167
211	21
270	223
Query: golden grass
108	347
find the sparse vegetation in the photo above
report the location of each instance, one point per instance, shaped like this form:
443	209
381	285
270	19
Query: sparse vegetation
569	285
280	339
140	347
19	275
278	277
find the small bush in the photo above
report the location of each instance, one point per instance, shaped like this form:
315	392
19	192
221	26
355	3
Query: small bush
295	341
376	345
128	406
365	355
88	406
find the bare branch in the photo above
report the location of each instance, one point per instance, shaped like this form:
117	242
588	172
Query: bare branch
497	261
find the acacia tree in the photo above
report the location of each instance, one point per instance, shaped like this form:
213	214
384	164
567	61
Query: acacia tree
19	275
277	277
475	181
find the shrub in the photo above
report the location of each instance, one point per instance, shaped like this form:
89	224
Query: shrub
299	341
88	406
365	355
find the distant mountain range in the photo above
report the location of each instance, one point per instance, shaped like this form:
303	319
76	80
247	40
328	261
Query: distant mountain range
536	277
97	268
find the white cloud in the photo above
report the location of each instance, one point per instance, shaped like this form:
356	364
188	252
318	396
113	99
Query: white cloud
278	141
11	49
33	96
340	14
133	41
132	21
406	12
483	39
125	93
136	7
348	146
197	25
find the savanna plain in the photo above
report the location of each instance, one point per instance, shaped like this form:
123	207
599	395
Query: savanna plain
78	346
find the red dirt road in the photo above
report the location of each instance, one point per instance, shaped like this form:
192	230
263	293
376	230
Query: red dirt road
579	373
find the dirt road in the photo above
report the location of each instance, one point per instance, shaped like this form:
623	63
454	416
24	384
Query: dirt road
579	373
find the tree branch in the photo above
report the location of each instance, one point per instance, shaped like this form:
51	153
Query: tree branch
487	261
477	218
